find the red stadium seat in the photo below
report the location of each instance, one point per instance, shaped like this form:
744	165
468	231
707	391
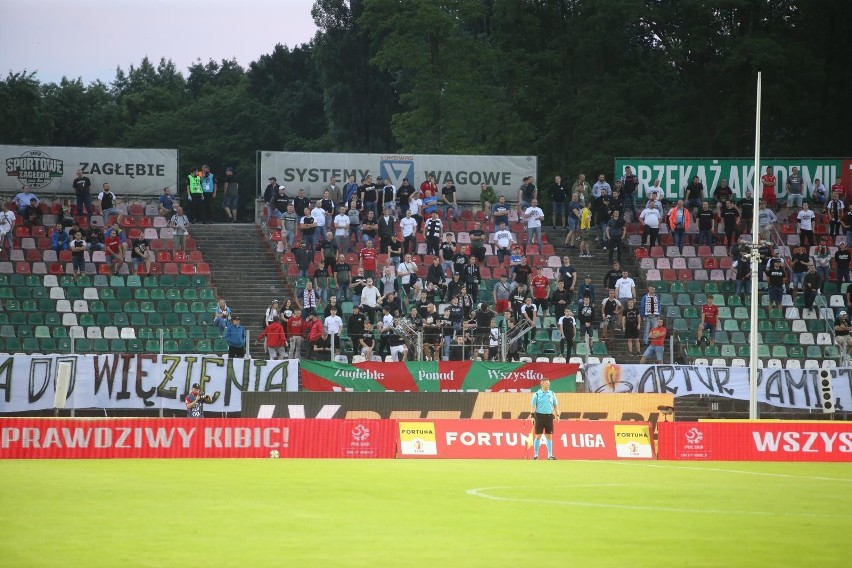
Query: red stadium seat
195	256
65	256
668	275
187	269
179	256
170	268
38	231
22	267
164	256
203	268
145	222
22	232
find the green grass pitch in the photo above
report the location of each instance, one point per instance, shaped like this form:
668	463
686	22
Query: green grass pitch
440	513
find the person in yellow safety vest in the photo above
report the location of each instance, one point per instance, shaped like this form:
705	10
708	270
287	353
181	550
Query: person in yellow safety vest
194	194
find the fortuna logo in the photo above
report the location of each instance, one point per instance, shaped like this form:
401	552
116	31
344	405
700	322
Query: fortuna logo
34	168
360	433
694	436
363	374
528	375
436	376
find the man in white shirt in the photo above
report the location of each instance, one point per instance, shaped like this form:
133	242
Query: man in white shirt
408	224
407	273
341	230
650	219
7	223
806	225
533	216
370	297
504	239
333	324
625	288
415	205
318	215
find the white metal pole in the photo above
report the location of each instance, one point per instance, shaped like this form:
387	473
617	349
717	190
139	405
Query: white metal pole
755	267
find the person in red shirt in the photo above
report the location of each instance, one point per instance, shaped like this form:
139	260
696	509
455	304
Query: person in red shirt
709	320
657	336
428	188
769	182
114	249
295	328
541	290
276	339
368	260
315	332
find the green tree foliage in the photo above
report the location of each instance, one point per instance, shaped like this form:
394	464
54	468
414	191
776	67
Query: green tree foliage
575	82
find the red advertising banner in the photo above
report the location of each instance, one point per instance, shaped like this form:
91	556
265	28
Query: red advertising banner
508	439
196	438
755	441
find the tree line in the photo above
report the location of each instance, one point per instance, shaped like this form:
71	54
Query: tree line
575	82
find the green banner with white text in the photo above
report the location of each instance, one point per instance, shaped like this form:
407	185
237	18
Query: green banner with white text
426	376
676	173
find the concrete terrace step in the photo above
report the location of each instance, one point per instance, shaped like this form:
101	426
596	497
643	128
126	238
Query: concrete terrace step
245	271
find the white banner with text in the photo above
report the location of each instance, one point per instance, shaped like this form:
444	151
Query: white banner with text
312	171
52	169
138	382
784	388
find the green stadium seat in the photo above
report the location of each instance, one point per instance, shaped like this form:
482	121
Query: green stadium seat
763	351
711	288
48	345
7	331
694	287
12	305
66	281
4	318
135	346
13	345
150	282
195	332
212	332
779	352
133	281
116	281
179	333
147	307
103	319
63	345
4	279
138	320
182	281
170	319
100	345
728	351
782	325
693	351
42	331
207	295
831	352
771	338
86	320
186	346
220	346
712	351
7	293
118	345
672	312
738	338
18	318
100	281
121	320
198	308
31	345
82	346
167	280
199	281
677	288
141	294
164	306
190	294
59	332
734	301
97	307
814	352
180	308
152	346
35	318
131	307
190	319
174	294
123	294
204	346
155	319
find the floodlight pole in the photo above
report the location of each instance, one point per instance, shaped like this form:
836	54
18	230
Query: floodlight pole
753	413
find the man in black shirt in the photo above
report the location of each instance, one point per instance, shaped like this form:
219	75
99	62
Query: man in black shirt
301	202
454	286
586	317
812	286
448	200
615	234
432	230
558	194
436	281
775	276
602	217
355	324
459	261
369	196
611	277
422	305
730	218
743	276
567	332
694	195
403	194
448	251
472	278
386	229
522	273
841	259
478	238
560	298
83	188
746	206
568	275
518	299
706	218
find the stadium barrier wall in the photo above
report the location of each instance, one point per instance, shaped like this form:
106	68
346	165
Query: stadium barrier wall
782	388
27	438
137	382
433	376
52	169
463	405
756	441
513	439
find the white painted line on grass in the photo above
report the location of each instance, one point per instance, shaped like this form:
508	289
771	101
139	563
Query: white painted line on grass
723	470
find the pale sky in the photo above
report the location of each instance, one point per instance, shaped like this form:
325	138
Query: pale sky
90	38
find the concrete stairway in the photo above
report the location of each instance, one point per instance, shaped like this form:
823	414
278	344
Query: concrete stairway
245	272
598	266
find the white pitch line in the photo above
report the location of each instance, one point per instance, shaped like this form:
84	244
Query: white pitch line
481	492
722	470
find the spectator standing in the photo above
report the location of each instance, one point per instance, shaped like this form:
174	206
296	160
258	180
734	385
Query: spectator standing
625	288
709	321
408	226
179	222
611	310
78	251
582	188
308	229
631	320
395	251
320	280
722	194
369	195
235	337
694	194
318	214
231	196
841	261
649	308
527	193
272	313
350	190
301	202
558	195
209	187
775	278
706	219
806	218
280	203
843	333
341	230
629	185
304	259
334	190
541	291
295	330
766	220
533	216
7	224
289	222
679	222
650	219
768	182
614	235
276	340
836	209
586	231
342	275
403	194
575	209
746	207
812	286
428	188
657	336
795	188
822	262
601	187
83	190
730	220
432	230
333	326
743	275
602	217
387	227
271	190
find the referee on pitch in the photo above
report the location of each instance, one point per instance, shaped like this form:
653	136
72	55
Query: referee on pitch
545	410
